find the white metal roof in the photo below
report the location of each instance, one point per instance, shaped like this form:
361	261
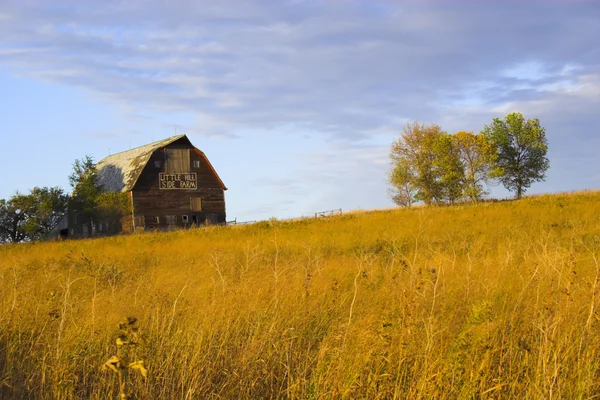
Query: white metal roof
119	172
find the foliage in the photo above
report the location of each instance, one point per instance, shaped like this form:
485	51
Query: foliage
521	146
12	219
426	166
403	191
31	216
50	207
111	207
90	202
123	361
477	155
414	161
449	168
491	300
432	166
84	181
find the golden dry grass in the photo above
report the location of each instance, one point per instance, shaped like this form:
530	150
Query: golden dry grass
496	300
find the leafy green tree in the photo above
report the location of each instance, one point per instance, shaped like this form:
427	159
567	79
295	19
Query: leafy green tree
478	156
83	208
521	146
49	206
89	201
111	207
84	181
12	219
31	216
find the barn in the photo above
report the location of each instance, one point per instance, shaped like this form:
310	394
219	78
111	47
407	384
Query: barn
170	184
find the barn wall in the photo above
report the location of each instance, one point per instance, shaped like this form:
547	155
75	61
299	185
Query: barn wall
150	201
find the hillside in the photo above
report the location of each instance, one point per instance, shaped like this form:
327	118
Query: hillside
496	300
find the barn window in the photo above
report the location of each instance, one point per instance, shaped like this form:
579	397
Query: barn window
196	203
184	219
157	163
196	163
156	220
171	219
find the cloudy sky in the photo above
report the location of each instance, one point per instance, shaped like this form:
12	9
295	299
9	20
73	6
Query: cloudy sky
294	102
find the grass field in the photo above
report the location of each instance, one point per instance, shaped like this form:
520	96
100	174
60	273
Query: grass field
496	300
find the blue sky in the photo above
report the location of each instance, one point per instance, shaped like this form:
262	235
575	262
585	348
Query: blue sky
294	102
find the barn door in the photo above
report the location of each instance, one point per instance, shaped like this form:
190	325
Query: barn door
177	161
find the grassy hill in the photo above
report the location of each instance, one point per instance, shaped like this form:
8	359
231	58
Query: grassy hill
496	300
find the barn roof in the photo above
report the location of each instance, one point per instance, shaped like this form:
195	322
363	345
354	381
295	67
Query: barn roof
120	171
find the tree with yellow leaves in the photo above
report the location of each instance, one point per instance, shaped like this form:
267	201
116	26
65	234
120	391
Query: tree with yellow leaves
477	155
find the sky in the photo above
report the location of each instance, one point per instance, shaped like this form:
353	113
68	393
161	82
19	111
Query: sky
294	102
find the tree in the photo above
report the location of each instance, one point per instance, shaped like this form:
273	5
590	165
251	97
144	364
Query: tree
403	190
31	216
521	146
82	204
48	206
84	181
12	218
449	168
477	155
89	201
413	158
111	207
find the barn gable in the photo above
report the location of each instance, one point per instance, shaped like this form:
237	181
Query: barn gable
119	172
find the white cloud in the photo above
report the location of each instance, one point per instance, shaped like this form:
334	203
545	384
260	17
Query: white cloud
351	73
345	69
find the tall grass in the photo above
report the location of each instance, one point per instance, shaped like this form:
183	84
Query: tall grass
496	300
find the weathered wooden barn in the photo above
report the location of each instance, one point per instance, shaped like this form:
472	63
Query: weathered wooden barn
170	183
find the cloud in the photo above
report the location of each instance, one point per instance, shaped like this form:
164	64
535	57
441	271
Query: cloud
344	68
352	72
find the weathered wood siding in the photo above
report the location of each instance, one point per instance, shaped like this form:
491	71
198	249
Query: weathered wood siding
172	206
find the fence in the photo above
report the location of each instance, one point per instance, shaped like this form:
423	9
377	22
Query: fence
235	222
328	213
319	214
